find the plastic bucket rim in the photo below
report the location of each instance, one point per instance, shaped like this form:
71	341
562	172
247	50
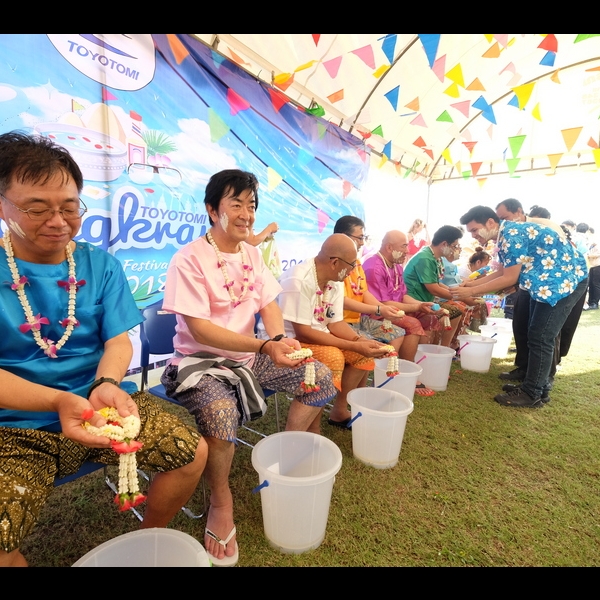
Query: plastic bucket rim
378	391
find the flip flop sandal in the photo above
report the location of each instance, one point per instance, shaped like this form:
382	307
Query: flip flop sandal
422	390
226	561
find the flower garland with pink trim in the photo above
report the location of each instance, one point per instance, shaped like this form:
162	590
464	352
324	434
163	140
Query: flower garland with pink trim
34	322
323	303
222	264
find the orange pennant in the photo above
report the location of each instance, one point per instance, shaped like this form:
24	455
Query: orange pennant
554	160
476	85
413	104
475	168
177	48
570	136
283	80
492	51
336	96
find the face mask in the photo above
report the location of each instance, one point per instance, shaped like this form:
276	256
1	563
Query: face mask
342	274
16	228
397	256
224	220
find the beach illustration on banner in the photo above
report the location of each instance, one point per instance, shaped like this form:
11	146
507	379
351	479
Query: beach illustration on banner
148	145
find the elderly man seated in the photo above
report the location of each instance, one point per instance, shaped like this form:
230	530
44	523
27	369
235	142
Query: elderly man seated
312	303
66	312
216	285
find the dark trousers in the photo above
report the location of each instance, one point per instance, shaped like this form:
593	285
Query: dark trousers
594	294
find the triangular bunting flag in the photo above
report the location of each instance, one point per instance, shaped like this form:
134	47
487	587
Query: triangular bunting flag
418	120
236	102
333	66
463	107
283	80
217	59
336	96
452	91
514	101
548	59
322	219
392	96
502	38
481	181
455	74
475	168
596	153
554	76
419	142
470	146
316	111
430	43
107	95
387	149
307	65
445	117
177	48
428	152
380	71
236	58
439	67
585	36
76	106
466	174
321	130
489	37
512	164
413	104
388	46
377	131
218	128
363	155
570	136
277	99
476	85
592	143
554	160
274	178
535	113
458	166
346	188
366	55
549	43
383	160
481	104
490	132
492	51
516	142
446	155
316	37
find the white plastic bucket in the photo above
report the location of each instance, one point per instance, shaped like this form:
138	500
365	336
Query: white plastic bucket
154	547
503	337
476	352
404	383
435	362
296	471
377	433
500	322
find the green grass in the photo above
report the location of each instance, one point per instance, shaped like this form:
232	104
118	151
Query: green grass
476	484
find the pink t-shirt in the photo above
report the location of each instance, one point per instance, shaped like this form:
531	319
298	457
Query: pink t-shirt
195	288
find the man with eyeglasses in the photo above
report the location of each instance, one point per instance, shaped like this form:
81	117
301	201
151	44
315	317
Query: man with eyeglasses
312	303
66	312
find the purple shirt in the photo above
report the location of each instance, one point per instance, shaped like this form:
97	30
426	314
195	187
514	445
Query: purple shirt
385	283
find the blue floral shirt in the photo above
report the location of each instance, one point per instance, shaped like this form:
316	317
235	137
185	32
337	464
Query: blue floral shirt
551	268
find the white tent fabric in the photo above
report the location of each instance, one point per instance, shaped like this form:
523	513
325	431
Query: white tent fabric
443	105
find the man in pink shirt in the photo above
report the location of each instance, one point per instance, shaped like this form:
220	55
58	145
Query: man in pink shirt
216	285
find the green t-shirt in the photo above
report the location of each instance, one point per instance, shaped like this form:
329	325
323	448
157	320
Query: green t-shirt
422	268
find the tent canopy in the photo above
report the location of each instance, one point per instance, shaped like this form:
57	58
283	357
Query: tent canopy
442	105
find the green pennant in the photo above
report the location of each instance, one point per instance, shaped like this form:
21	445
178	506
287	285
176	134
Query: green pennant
516	141
512	165
378	130
466	174
316	111
584	36
445	116
218	127
321	129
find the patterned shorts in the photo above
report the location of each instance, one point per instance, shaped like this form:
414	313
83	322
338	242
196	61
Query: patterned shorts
31	459
373	329
214	404
337	359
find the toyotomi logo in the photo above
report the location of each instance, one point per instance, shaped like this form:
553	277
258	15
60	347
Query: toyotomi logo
124	61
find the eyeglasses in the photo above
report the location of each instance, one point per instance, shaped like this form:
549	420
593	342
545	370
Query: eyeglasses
45	214
455	246
351	265
361	238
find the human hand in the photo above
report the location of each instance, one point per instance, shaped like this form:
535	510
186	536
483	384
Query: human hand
278	352
272	228
71	409
460	292
370	348
426	308
108	394
390	312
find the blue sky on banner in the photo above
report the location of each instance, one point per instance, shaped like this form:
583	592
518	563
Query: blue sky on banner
114	100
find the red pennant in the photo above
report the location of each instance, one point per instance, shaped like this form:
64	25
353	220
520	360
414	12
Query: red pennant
419	142
428	152
469	146
347	188
549	43
316	37
236	102
277	99
475	168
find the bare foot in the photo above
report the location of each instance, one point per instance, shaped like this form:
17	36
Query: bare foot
220	522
